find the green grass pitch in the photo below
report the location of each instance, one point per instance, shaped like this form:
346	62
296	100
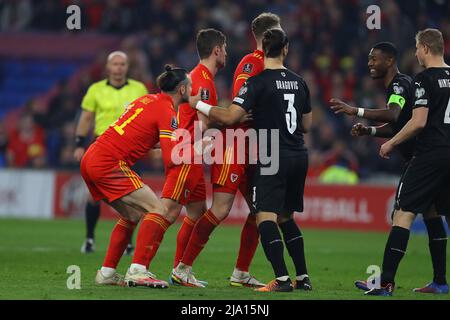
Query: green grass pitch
35	254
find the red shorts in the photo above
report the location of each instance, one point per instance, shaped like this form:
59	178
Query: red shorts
230	177
185	184
107	177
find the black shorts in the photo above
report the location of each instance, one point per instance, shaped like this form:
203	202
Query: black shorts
425	182
282	192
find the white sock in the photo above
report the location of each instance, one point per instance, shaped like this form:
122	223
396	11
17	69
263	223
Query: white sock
107	272
182	266
238	273
138	267
283	278
302	277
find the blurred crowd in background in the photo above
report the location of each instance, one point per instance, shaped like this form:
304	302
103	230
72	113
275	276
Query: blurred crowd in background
329	44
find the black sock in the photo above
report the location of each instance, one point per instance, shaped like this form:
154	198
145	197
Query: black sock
293	240
393	253
273	247
92	215
438	248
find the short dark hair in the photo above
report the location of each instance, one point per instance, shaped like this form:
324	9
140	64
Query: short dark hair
207	39
264	22
169	80
388	48
432	38
273	42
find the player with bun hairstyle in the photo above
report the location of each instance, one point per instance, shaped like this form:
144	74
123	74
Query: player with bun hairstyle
230	176
106	170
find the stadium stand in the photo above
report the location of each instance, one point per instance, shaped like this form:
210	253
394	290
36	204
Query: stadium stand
157	32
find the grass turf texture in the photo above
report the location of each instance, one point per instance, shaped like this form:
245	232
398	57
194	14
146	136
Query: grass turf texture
35	254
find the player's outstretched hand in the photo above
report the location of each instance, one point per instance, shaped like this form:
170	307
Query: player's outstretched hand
359	130
78	153
386	150
246	118
340	106
194	99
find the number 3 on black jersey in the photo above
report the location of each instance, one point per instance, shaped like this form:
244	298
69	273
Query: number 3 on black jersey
291	113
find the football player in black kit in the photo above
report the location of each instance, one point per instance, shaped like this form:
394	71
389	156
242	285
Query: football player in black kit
382	64
280	104
426	182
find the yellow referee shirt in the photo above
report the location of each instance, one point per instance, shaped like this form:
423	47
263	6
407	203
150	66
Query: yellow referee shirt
108	103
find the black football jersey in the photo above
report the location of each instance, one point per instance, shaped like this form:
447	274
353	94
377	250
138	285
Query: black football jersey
277	98
432	90
400	91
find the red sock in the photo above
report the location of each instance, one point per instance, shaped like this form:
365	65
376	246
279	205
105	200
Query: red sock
120	237
249	243
149	237
199	237
183	238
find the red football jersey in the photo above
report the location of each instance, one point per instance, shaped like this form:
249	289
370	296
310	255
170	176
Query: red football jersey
201	78
250	65
146	121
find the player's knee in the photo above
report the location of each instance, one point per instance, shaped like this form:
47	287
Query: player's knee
431	214
135	217
194	216
403	219
221	207
282	219
159	208
172	214
220	211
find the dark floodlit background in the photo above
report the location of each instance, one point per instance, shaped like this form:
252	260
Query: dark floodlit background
45	69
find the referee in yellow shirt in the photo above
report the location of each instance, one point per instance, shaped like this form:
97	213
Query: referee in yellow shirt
103	103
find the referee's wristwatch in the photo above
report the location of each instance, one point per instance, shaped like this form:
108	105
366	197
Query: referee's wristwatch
80	142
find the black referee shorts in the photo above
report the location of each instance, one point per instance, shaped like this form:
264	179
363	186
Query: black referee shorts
426	181
282	192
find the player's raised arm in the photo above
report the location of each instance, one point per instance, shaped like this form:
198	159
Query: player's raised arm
386	130
389	114
382	65
228	116
242	104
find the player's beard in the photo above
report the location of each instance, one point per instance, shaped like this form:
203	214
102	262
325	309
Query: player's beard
378	75
185	98
220	64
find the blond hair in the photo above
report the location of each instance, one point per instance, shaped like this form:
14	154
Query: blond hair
432	38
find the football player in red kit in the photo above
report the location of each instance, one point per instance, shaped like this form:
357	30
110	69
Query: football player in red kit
231	176
106	170
186	186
